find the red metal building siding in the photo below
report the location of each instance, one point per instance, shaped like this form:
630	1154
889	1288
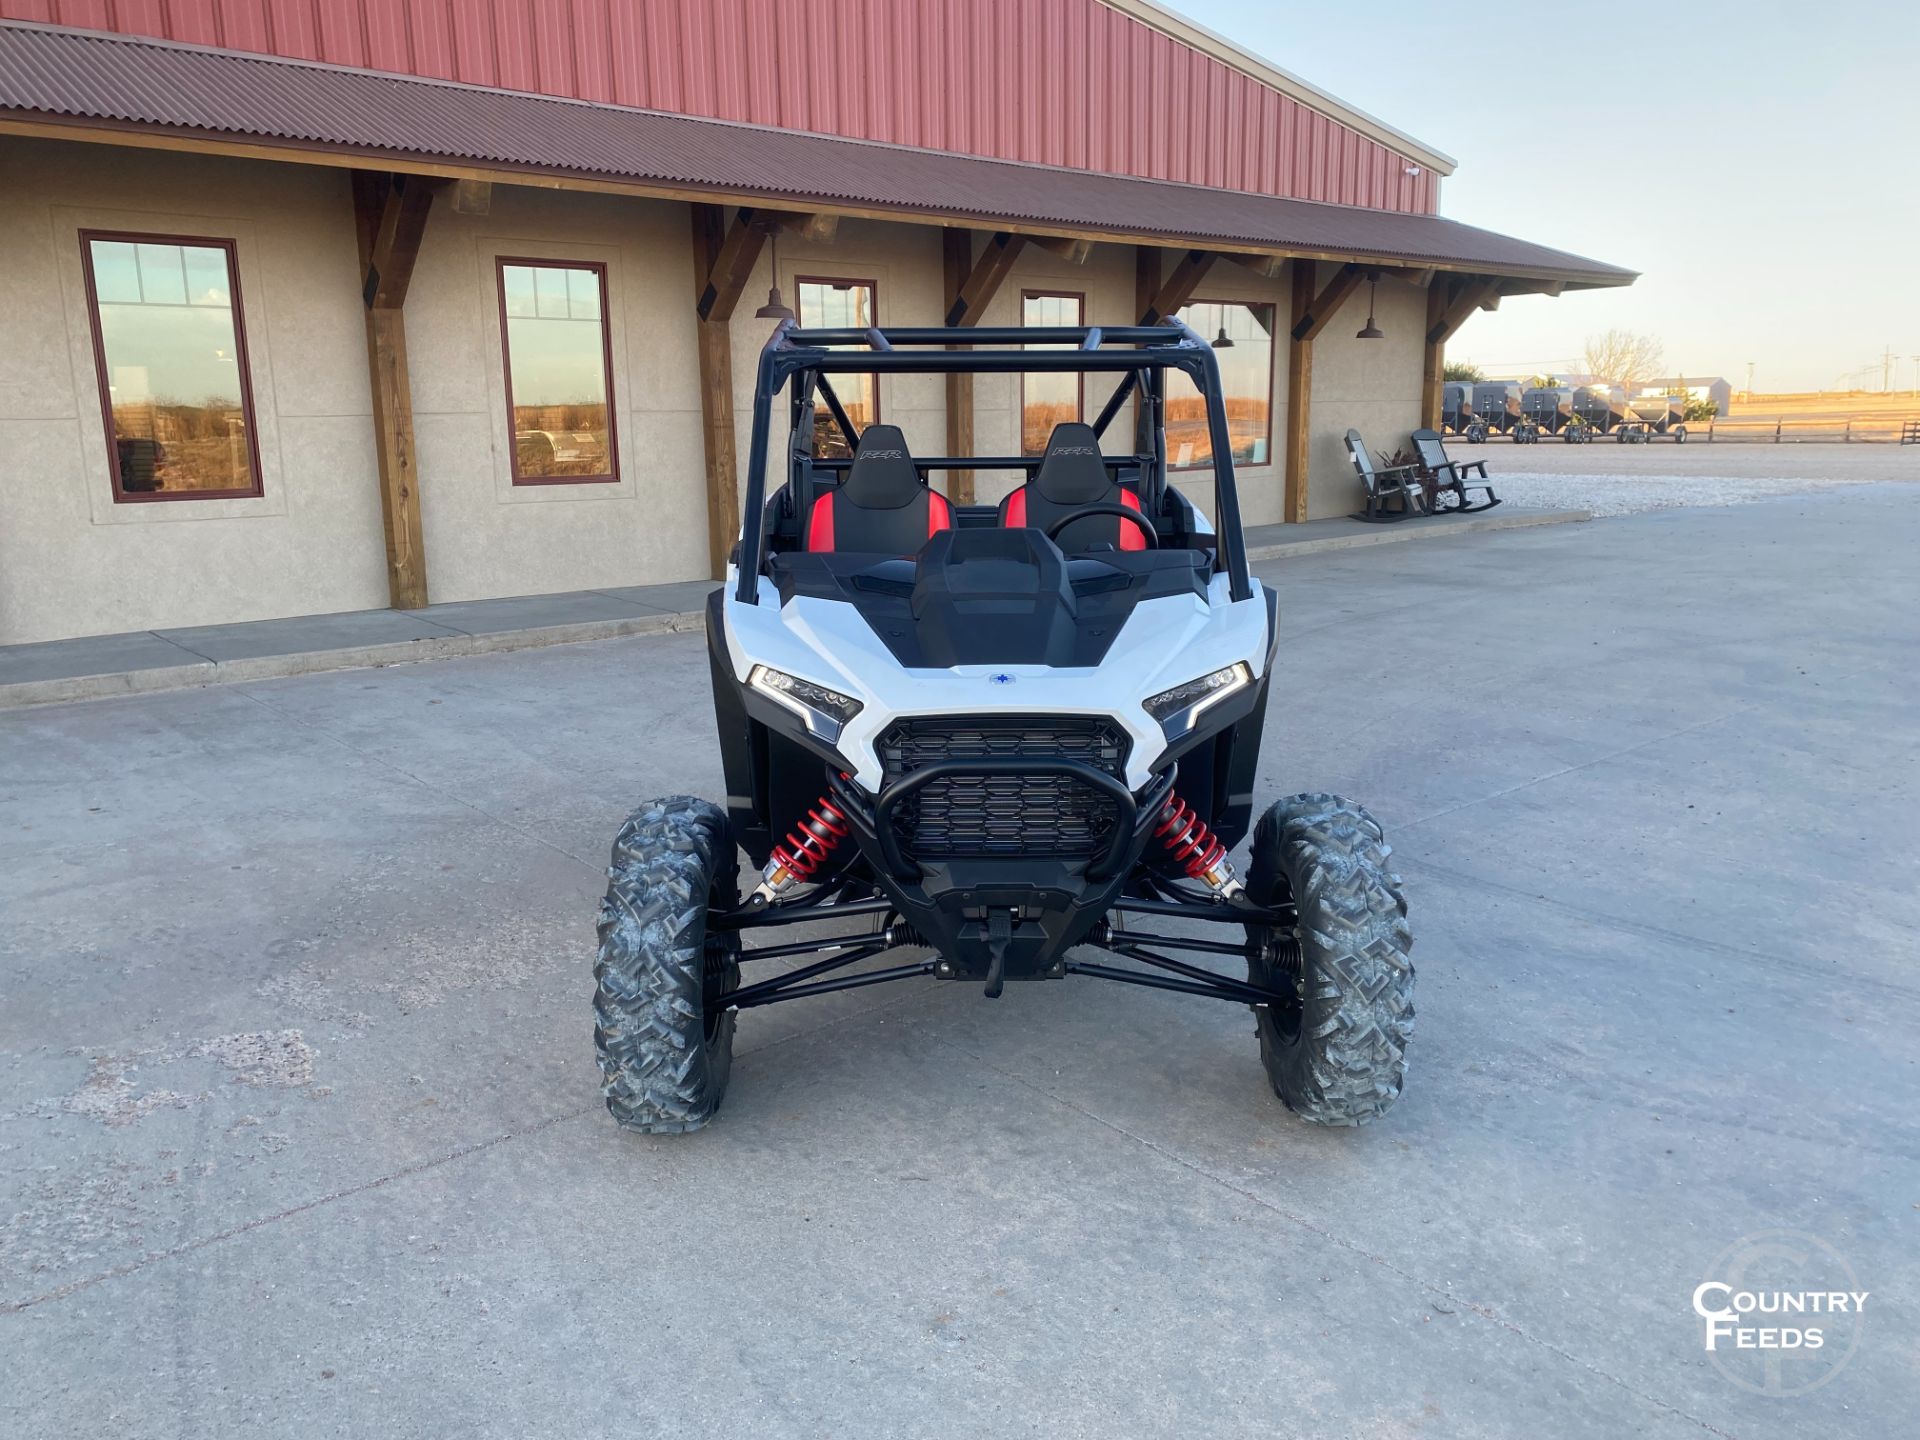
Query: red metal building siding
980	77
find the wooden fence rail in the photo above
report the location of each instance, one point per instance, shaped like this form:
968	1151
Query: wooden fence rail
1779	430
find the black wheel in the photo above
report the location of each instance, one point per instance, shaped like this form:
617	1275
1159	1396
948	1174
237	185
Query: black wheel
1476	434
664	1046
1340	1056
1679	434
1620	437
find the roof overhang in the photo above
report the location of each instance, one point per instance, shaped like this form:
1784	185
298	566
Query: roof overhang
87	86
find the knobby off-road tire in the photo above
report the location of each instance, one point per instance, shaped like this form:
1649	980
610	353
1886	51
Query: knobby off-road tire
664	1050
1341	1057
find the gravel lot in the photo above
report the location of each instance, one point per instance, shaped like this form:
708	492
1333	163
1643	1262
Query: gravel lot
1613	479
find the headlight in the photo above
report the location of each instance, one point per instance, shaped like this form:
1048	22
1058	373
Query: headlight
1179	710
825	711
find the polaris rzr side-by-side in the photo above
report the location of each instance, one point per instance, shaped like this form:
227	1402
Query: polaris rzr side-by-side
996	738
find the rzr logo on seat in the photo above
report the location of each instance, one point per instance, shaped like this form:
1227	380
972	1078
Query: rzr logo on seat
1078	450
886	455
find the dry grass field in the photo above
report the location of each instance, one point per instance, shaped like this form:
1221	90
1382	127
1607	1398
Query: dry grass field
1872	414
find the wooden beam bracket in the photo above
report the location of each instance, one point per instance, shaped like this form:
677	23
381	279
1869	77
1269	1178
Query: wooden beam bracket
1322	307
1178	288
1464	297
726	277
983	281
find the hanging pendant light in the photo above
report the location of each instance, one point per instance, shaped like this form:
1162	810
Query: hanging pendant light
775	308
1371	331
1222	341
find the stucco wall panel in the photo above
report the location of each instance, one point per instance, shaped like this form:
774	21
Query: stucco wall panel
1372	386
487	537
72	561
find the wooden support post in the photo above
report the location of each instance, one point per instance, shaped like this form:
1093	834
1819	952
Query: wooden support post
1146	277
390	216
1293	504
970	286
1146	285
956	257
725	251
1434	359
714	340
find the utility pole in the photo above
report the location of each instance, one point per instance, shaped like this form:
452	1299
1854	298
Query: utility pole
1916	373
1886	370
1749	379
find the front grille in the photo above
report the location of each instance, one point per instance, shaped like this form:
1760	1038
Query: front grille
1004	814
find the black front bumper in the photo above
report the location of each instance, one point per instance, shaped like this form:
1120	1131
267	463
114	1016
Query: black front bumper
1002	916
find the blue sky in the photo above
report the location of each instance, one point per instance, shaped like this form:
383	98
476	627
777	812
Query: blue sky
1758	163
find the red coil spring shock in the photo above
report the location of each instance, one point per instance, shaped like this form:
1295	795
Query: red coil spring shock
807	847
1195	847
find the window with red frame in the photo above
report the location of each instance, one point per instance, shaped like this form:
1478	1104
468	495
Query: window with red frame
1246	382
559	371
171	354
1047	400
829	304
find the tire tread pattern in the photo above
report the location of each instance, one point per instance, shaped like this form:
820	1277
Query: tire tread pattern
660	1071
1349	1060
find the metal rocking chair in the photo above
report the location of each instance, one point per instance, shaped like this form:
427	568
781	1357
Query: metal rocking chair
1451	476
1389	485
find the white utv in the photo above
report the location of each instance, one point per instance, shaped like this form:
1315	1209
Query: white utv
997	737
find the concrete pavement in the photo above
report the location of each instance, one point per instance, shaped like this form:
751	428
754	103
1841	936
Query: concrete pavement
299	1131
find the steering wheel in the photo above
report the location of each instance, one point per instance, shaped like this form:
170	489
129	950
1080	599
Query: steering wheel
1106	508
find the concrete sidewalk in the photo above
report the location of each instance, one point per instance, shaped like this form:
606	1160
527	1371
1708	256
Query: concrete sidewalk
98	666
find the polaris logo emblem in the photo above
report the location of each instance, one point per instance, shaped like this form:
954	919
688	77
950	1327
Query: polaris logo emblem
1001	678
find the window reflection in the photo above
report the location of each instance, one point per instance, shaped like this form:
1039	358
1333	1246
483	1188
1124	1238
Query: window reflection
558	380
1246	381
172	367
840	305
1051	399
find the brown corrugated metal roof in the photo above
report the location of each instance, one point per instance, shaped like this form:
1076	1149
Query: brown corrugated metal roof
86	76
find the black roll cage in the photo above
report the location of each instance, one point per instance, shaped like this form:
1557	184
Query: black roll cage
814	355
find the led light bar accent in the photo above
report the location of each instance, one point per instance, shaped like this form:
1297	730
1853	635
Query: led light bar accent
826	712
1178	710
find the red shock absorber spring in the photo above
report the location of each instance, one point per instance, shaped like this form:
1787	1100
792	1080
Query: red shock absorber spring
808	847
1193	845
